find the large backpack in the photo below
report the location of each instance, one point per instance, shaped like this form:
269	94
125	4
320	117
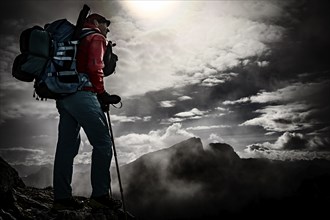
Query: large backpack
48	57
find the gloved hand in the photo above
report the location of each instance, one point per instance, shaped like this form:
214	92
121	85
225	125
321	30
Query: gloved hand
106	99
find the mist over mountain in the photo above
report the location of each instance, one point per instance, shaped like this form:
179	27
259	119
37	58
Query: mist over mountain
187	181
192	181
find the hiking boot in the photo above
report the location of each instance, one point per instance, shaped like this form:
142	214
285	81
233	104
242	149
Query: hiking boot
105	202
67	204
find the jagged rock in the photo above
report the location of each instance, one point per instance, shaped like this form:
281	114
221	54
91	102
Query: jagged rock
9	180
224	149
223	153
190	146
32	203
8	177
21	202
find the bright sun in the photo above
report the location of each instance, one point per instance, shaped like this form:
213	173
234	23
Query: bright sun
151	9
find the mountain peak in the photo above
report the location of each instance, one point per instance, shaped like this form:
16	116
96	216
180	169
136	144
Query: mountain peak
193	144
224	151
223	148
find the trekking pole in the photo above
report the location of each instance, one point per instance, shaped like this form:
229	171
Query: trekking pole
117	166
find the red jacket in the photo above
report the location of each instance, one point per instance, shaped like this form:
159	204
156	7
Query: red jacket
90	59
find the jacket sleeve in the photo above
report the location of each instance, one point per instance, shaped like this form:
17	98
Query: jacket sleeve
95	62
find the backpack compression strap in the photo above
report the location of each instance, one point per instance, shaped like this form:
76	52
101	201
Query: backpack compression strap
67	51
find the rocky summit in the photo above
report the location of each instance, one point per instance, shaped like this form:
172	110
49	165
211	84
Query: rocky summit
22	202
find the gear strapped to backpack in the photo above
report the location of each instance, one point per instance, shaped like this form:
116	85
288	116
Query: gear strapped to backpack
110	60
48	57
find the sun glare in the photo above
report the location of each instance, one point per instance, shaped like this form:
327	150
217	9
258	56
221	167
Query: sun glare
149	8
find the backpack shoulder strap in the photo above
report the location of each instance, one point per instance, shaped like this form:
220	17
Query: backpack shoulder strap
87	31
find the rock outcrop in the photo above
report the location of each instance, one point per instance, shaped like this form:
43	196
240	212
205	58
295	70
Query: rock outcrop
9	177
18	201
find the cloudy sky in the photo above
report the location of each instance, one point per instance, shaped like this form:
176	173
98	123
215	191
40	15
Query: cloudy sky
253	74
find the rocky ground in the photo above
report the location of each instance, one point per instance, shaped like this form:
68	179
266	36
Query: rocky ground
21	202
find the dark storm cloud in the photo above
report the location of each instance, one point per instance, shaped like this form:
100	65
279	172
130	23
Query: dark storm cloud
298	107
288	92
303	48
306	45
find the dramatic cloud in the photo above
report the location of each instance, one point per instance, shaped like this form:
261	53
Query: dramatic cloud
122	118
257	151
183	60
214	138
292	146
167	104
206	127
299	107
222	78
290	117
291	93
184	98
193	114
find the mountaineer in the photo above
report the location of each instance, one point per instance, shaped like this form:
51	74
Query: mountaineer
85	109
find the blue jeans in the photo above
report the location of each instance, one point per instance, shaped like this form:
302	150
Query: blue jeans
82	109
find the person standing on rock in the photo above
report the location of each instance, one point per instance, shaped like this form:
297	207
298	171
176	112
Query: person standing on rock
85	109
